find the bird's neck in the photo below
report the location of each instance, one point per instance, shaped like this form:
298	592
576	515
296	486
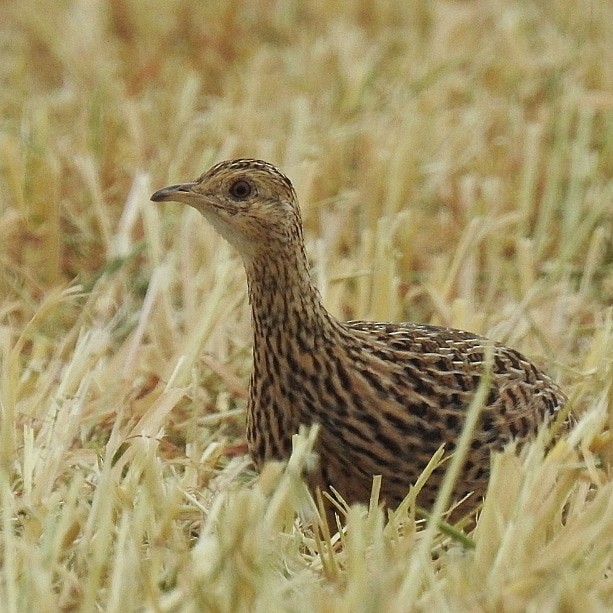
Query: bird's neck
284	301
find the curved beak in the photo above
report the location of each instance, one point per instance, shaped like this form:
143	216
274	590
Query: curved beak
175	193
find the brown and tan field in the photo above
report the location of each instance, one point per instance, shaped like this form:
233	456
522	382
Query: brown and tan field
454	162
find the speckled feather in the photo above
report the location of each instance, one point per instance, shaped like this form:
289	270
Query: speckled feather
386	395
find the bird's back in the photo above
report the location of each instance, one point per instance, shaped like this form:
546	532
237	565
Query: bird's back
387	396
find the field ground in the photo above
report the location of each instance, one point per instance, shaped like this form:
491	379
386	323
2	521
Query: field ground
454	162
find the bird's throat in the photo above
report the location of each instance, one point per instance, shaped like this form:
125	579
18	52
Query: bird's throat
283	299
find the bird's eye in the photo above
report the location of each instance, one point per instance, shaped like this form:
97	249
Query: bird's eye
240	189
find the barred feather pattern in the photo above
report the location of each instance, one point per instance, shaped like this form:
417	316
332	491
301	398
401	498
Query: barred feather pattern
386	395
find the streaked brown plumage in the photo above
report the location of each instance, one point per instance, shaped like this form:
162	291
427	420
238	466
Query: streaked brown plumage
386	395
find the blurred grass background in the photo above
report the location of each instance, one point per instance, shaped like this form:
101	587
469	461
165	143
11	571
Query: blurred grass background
454	163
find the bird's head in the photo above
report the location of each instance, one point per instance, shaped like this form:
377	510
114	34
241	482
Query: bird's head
249	202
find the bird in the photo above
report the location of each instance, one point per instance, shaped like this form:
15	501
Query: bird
386	396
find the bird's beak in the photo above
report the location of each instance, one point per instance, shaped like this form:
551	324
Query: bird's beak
175	193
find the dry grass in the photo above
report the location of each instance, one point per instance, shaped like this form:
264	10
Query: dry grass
454	161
